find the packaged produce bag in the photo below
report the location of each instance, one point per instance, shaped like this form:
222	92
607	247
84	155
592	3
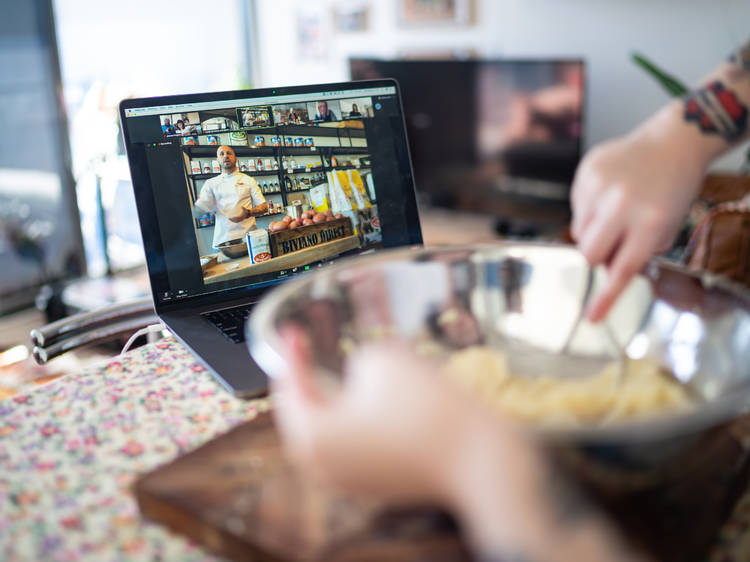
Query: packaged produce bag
319	198
370	187
334	193
342	189
358	189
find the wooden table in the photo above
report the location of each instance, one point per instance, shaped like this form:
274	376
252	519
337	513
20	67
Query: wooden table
71	450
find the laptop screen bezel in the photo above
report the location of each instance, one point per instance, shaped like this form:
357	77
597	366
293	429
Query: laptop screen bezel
143	188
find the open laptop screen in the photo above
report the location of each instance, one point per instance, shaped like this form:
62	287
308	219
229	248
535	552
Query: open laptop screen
245	189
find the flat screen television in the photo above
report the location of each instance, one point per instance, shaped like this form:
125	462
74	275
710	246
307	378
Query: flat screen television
484	133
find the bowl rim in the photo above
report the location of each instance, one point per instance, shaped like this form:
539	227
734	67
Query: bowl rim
264	344
231	243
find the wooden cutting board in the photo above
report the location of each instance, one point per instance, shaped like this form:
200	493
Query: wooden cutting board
238	497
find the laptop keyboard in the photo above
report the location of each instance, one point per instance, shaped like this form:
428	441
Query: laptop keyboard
230	321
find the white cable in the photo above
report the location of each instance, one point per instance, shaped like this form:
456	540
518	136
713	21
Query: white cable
142	332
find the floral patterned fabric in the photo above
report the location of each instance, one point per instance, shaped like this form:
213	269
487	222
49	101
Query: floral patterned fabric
70	451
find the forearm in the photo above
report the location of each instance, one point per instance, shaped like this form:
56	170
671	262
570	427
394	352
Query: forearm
531	514
242	212
711	118
198	211
724	98
256	210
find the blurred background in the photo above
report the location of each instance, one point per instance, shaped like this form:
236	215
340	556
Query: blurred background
66	202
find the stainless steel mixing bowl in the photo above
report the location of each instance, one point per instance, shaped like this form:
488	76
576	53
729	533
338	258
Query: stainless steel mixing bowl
234	248
696	326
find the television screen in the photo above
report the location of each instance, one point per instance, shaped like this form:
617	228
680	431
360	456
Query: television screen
487	127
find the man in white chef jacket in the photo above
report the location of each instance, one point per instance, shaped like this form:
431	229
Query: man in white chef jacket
235	198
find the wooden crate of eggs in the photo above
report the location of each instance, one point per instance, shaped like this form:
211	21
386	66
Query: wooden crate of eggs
309	230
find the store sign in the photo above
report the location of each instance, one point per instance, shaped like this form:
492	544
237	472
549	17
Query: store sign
305	237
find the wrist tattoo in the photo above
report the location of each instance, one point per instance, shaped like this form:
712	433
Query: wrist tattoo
717	110
741	57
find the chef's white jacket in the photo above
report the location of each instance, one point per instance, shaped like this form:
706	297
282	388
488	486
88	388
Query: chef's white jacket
223	195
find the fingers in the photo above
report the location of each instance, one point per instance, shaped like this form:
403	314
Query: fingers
585	209
582	210
374	360
299	378
583	195
628	260
370	288
297	409
600	237
581	220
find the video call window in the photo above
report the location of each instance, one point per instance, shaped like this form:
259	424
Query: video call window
357	108
325	208
181	124
291	114
196	127
219	120
325	110
254	117
231	126
320	202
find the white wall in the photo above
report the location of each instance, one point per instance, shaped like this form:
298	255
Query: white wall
150	47
686	37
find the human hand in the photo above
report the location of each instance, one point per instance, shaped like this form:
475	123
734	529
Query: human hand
238	214
629	197
397	431
250	211
392	430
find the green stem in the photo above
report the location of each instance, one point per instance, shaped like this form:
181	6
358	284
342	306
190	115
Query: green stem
671	84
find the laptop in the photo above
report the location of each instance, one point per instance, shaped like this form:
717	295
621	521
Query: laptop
239	191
